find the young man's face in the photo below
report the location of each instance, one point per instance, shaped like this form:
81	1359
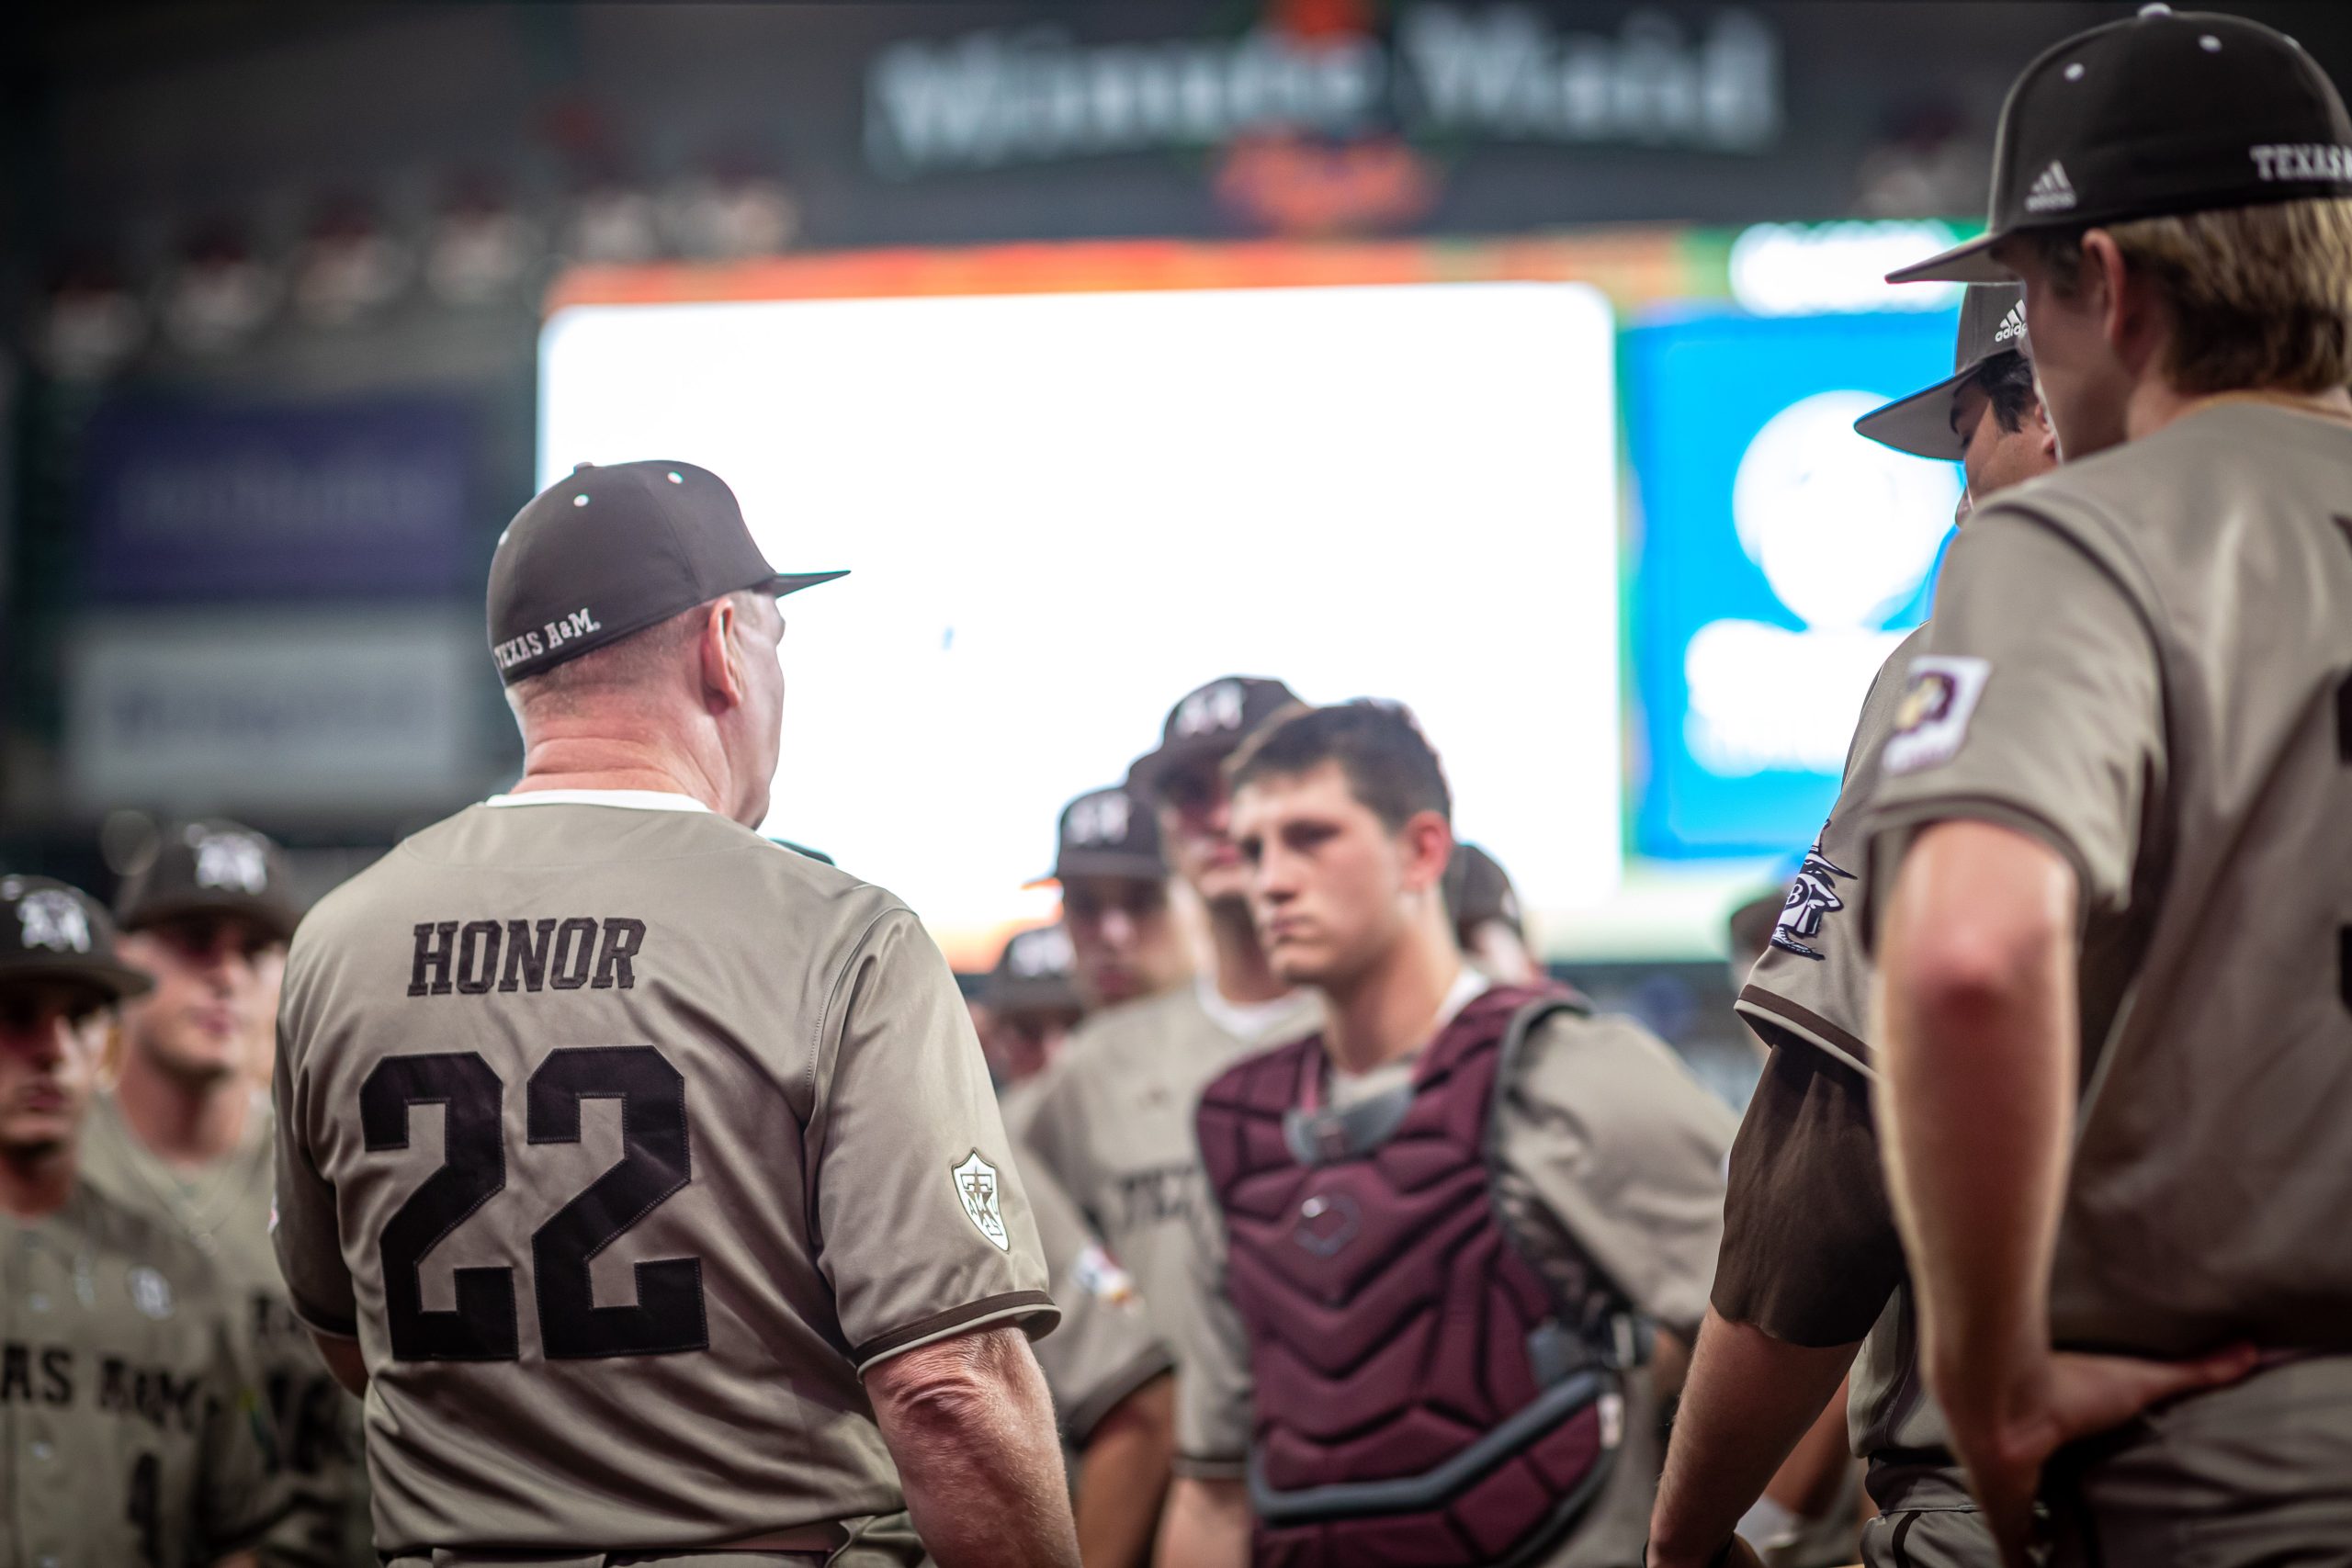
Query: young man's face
1329	881
1195	822
213	994
1021	1045
1994	457
2086	388
51	1036
1124	941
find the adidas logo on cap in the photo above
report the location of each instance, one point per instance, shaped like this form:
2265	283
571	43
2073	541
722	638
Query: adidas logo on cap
2052	191
2012	325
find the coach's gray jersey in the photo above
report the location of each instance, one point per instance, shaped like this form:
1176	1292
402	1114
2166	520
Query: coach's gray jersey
623	1141
2144	659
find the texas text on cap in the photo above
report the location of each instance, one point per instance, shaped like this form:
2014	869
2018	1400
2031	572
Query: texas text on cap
1478	889
2156	115
50	931
1034	975
206	868
1107	832
1207	725
1992	322
607	552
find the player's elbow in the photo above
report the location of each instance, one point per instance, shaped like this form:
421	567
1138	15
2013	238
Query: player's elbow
1979	916
952	1385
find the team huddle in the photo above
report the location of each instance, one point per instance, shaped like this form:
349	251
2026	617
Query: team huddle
594	1181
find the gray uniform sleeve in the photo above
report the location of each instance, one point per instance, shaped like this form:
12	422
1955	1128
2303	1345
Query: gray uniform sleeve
922	1227
241	1490
303	1222
2036	706
1106	1349
1213	1380
1611	1149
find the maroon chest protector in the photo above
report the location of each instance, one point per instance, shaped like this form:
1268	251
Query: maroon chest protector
1420	1399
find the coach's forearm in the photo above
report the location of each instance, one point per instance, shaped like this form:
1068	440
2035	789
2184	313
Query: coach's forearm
1748	1401
971	1426
1978	995
1123	1476
1207	1525
343	1360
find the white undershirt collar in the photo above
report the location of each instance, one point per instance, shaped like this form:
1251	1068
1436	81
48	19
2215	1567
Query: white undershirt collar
626	799
1243	1020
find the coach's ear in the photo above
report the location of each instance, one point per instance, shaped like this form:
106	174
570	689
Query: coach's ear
1428	842
718	645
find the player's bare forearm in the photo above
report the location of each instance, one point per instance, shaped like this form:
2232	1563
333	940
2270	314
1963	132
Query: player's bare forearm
1207	1525
971	1425
1123	1476
1748	1400
1977	991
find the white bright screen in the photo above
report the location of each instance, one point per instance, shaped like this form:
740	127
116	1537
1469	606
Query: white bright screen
1063	511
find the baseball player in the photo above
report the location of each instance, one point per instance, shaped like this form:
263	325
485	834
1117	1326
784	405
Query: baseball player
184	1138
646	1174
1458	1235
1027	1006
1123	935
1811	1260
1113	1119
1487	918
2109	859
1107	1370
130	1413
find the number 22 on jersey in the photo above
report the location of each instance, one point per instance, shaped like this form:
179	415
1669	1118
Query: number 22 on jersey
655	1162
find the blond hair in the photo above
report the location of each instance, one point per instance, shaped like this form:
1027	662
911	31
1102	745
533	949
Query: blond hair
2258	296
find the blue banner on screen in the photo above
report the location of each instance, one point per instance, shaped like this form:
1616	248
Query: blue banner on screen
186	502
1782	559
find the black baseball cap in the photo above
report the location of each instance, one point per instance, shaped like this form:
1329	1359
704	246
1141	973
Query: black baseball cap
1034	975
210	867
1478	889
1107	832
52	931
608	550
1992	323
1207	724
2165	112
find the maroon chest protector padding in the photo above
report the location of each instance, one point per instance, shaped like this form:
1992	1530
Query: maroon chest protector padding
1402	1415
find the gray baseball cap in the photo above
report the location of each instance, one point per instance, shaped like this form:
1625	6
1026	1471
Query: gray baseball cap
606	551
1992	323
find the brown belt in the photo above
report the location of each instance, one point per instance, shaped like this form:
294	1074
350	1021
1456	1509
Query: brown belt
784	1549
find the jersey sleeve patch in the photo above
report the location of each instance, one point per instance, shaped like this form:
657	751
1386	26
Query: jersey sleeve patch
1932	720
976	1189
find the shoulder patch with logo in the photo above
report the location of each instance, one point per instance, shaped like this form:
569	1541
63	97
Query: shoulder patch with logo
1811	895
976	1189
1932	720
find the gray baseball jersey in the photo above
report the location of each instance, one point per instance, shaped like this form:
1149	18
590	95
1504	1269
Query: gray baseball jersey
1811	991
1106	1348
1607	1149
2144	660
224	1211
624	1142
1112	1120
130	1421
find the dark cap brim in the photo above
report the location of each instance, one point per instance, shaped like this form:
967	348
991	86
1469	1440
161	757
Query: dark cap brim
1921	424
1971	263
274	918
1102	862
1145	774
784	582
118	982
